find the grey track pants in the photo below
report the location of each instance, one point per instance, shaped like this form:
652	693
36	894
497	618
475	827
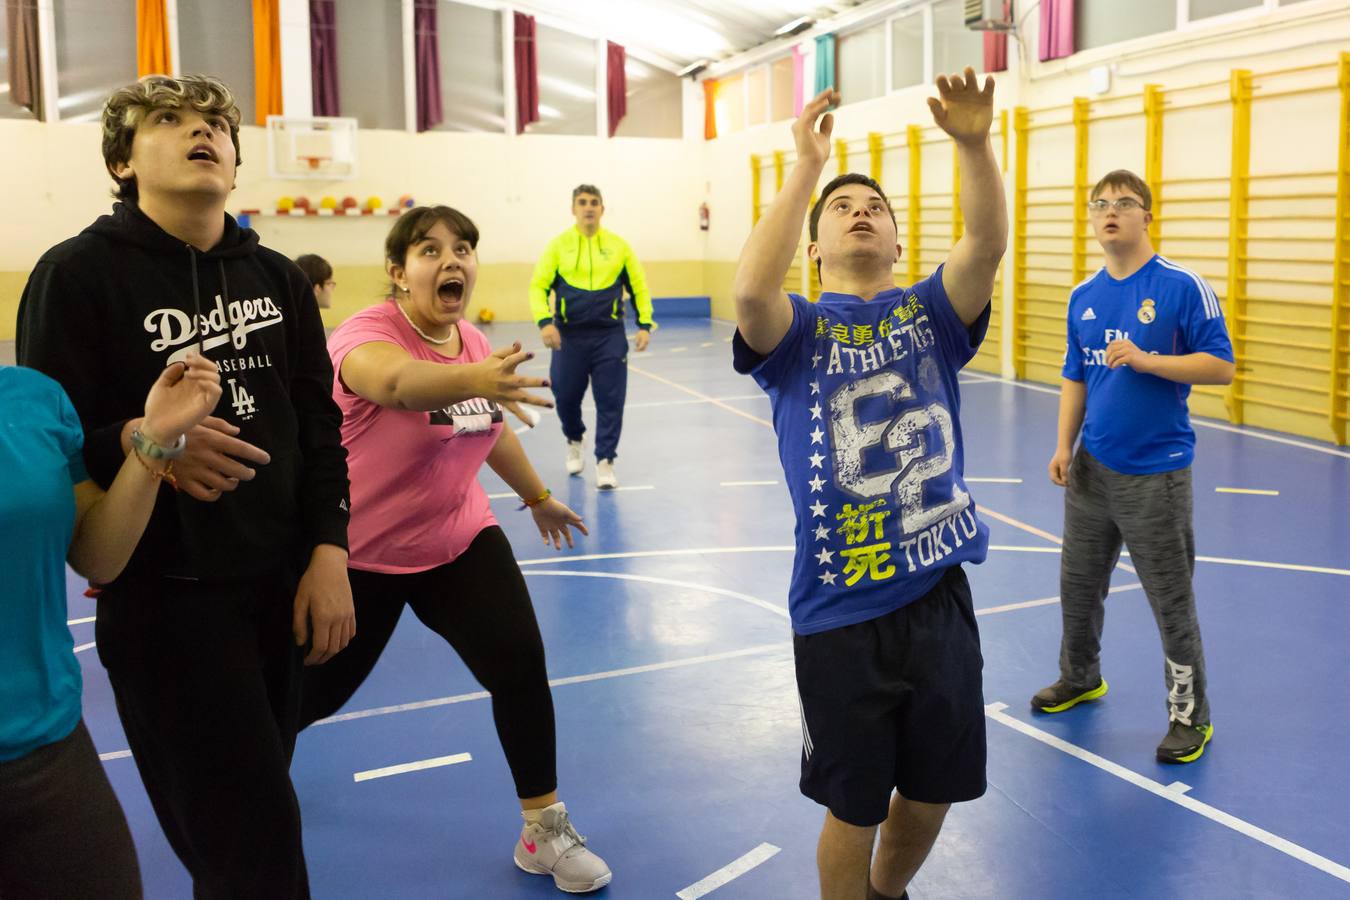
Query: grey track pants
1151	514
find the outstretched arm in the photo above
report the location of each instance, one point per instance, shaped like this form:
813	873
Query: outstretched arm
966	112
763	312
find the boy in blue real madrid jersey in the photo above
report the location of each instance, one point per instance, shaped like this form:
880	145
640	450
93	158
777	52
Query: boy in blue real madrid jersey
1141	331
865	405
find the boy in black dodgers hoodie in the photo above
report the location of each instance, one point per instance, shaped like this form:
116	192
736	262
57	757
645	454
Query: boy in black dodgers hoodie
243	564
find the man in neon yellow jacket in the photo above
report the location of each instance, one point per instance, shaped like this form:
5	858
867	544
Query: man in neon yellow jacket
587	270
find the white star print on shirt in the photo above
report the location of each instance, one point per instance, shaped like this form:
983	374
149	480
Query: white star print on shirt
822	533
825	557
816	411
827	578
818	509
817	436
815	360
815	387
816	460
816	484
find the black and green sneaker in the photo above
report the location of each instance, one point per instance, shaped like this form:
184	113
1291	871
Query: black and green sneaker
1184	743
1060	696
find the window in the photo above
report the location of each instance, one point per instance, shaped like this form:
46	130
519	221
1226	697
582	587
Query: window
567	64
861	57
757	100
730	104
217	39
655	102
472	89
1204	9
782	89
1101	22
954	45
95	55
907	51
370	62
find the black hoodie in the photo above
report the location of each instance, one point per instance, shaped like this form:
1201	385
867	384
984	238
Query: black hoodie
104	312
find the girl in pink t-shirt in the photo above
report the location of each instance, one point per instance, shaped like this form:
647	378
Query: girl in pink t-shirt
412	378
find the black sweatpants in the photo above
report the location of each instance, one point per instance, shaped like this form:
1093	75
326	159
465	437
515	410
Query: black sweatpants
62	832
206	678
480	605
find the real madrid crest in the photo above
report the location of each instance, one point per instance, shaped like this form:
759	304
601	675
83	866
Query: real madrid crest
1146	311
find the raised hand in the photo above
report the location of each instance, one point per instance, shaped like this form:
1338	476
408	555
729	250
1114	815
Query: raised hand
813	144
962	108
498	381
182	395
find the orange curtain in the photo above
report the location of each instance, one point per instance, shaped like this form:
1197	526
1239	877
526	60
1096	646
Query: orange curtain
152	39
709	109
267	58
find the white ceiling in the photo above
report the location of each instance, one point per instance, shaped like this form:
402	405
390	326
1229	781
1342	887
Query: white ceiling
672	34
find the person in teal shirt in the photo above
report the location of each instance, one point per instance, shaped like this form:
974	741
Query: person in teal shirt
62	832
587	269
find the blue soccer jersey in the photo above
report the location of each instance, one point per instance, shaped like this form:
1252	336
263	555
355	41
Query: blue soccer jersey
1135	423
866	409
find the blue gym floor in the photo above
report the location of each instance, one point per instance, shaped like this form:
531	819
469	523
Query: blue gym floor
678	727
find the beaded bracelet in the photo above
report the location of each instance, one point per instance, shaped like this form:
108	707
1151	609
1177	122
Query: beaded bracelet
527	504
165	475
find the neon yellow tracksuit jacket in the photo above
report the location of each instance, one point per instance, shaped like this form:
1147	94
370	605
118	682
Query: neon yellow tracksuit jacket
589	277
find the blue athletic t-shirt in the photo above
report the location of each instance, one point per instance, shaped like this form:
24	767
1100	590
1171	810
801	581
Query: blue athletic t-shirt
866	408
1135	423
41	459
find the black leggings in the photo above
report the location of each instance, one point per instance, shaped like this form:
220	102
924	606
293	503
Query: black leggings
62	832
480	605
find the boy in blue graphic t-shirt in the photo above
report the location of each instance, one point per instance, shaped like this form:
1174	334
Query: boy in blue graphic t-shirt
865	406
1141	331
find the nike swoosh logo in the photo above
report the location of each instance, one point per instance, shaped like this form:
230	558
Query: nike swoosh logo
528	846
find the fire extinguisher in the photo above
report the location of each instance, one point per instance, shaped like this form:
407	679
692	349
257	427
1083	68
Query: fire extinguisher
703	217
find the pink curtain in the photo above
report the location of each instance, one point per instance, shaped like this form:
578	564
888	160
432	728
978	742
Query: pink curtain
1056	29
996	46
616	84
527	72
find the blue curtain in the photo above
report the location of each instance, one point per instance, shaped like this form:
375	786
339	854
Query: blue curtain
825	68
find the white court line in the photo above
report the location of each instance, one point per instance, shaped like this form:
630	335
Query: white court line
628	487
85	621
730	871
115	754
1008	548
1217	426
678	349
1179	787
707	343
651	579
558	682
993	480
80	648
748	483
1047	601
418	766
1257	491
1274	841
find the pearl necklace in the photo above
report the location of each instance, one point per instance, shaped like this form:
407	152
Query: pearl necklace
421	333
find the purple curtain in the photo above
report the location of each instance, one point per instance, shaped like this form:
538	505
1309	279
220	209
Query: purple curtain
323	69
21	22
1056	29
430	113
616	83
527	72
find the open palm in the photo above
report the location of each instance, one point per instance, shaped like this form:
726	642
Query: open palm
962	108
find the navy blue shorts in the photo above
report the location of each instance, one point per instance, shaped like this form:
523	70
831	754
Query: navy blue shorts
894	703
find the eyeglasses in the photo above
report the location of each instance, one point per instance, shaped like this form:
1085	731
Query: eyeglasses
1120	205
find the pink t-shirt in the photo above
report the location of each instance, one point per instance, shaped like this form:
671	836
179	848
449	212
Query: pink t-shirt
416	500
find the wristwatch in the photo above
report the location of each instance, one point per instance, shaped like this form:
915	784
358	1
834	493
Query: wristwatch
150	450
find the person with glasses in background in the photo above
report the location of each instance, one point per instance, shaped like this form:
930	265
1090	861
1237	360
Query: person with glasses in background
320	275
1141	331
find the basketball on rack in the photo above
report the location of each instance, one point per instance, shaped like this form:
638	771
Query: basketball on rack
285	204
373	203
349	202
302	203
406	201
328	203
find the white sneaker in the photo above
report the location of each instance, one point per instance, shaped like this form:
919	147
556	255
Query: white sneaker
575	462
605	479
553	847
